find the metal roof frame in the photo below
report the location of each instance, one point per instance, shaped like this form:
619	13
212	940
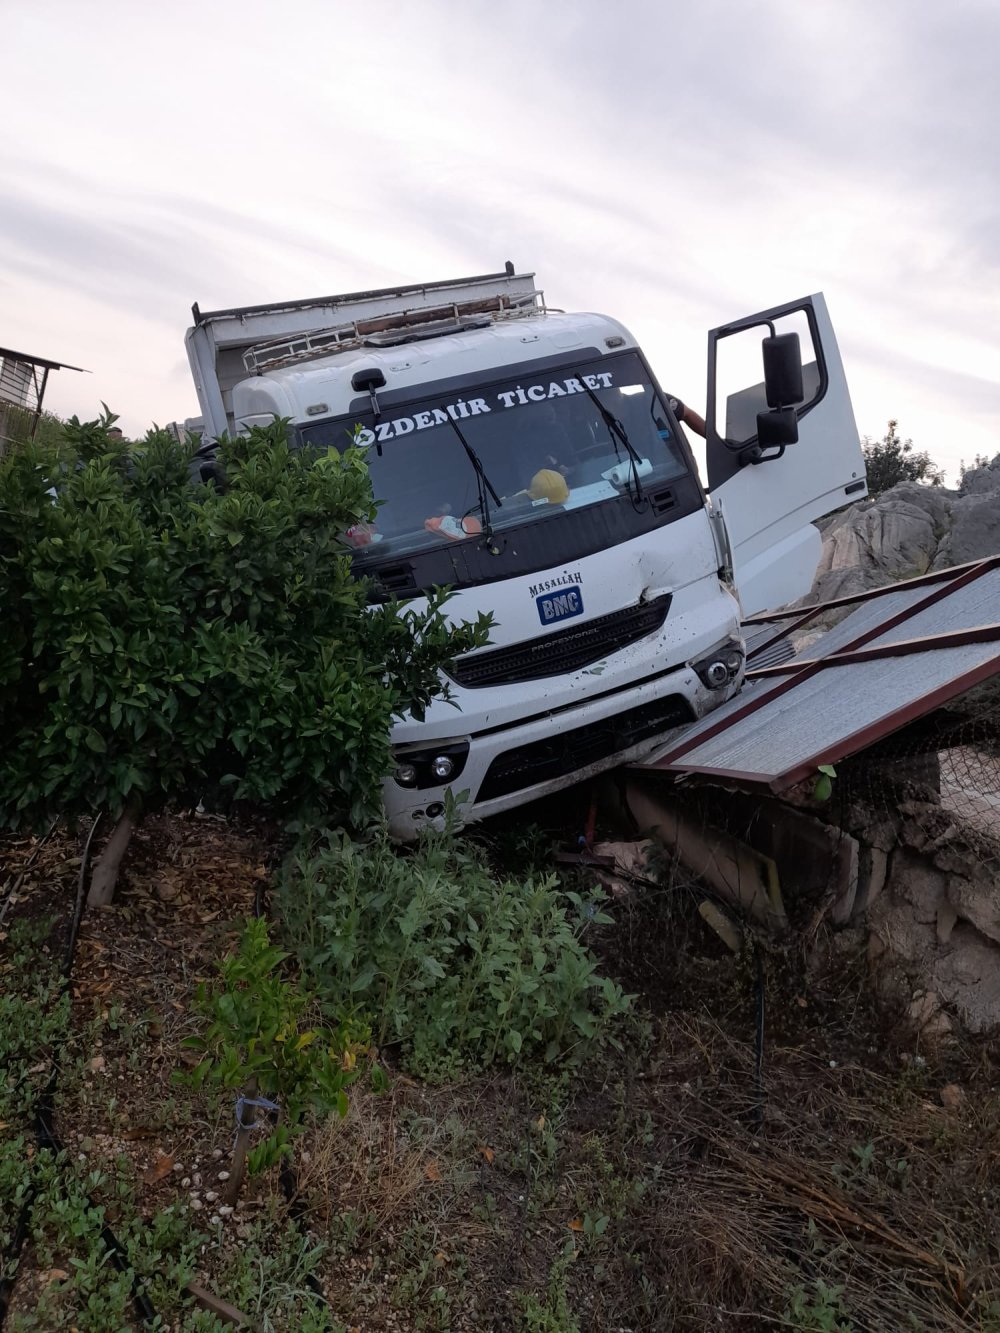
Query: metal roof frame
945	579
28	379
678	757
6	352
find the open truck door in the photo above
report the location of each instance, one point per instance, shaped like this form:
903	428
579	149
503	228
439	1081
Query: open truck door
783	451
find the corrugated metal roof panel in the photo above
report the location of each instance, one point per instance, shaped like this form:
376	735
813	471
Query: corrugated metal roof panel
782	650
782	725
813	722
869	615
976	603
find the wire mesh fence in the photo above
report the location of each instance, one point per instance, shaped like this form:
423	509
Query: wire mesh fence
949	763
16	425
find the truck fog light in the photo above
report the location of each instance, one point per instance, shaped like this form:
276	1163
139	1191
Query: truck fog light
716	674
435	811
734	661
442	767
406	775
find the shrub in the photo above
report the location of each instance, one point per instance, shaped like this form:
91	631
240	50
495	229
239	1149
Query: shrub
164	639
979	476
442	958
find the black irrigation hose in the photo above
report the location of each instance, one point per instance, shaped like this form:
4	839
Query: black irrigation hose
286	1172
48	1139
758	1062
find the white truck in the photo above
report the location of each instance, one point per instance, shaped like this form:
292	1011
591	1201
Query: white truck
529	459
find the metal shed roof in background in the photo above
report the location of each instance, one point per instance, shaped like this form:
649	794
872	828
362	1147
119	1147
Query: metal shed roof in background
902	652
6	354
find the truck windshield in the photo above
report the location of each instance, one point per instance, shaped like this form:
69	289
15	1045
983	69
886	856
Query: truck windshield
564	439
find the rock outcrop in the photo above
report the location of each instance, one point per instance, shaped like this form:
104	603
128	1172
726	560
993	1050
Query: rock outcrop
909	530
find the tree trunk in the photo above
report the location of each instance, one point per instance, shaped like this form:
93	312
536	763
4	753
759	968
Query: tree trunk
105	873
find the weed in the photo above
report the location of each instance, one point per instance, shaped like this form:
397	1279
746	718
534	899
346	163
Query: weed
823	785
595	1225
818	1310
866	1156
431	1282
487	1212
867	1168
34	1019
459	969
551	1313
68	1214
269	1278
519	849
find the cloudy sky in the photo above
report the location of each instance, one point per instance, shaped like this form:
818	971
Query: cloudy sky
676	165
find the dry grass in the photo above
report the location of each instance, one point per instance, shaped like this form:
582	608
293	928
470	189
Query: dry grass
364	1164
859	1183
856	1179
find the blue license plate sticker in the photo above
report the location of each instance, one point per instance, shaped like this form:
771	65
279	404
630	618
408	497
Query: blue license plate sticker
559	605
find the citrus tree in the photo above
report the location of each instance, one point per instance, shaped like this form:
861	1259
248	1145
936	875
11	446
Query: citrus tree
166	639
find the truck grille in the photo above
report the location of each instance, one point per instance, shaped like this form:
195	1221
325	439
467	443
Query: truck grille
562	651
566	752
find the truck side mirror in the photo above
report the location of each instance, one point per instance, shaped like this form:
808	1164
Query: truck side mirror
778	427
782	370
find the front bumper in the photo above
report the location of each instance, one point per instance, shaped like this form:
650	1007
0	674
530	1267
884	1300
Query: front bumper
510	765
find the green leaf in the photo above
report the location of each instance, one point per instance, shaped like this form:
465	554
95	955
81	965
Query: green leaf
363	979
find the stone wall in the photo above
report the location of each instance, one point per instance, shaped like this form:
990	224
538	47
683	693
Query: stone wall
929	899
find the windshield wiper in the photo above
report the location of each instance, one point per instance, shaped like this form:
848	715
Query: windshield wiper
483	484
615	428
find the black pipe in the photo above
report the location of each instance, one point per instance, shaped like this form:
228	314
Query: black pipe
286	1172
45	1133
758	1062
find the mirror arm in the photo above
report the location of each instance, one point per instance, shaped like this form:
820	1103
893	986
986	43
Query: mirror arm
755	454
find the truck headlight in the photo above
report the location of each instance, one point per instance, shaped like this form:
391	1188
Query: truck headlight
430	766
715	674
720	667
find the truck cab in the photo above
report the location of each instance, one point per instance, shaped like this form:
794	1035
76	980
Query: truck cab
530	460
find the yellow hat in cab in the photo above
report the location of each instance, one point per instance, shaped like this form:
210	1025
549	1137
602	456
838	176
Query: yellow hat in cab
549	485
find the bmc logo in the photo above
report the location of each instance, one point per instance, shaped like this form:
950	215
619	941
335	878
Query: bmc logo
559	605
